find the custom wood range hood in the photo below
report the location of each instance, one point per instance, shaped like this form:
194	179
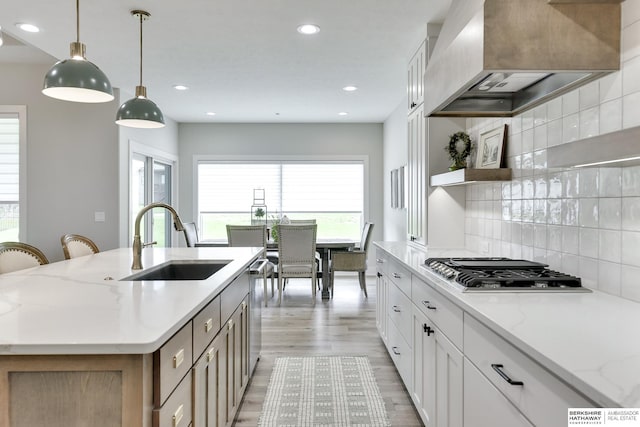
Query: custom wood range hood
498	58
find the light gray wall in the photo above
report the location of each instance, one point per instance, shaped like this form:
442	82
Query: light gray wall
395	155
283	139
72	163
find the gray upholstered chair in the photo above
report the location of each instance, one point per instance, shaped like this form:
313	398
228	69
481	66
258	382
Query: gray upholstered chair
16	256
353	260
253	235
75	245
190	231
297	255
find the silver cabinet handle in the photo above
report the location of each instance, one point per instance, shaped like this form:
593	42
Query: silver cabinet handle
379	261
395	350
397	276
396	308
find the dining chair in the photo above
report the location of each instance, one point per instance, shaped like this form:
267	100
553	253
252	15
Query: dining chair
253	235
76	245
353	260
297	255
302	221
190	231
16	256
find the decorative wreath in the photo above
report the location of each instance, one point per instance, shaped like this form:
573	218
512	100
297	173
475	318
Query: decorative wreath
454	154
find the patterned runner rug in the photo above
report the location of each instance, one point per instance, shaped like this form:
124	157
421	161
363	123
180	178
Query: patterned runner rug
323	391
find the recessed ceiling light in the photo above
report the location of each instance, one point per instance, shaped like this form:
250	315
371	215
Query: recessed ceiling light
29	28
308	29
210	113
342	113
349	88
180	87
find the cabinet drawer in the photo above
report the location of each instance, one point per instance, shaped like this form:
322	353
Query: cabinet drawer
401	355
176	412
540	396
233	295
399	311
445	314
171	363
399	275
206	325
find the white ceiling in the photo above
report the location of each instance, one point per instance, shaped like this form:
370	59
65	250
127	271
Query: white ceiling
242	59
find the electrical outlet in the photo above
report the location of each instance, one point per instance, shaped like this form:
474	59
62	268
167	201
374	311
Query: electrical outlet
98	216
484	247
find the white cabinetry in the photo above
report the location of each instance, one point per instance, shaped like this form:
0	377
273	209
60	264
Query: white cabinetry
532	390
437	362
415	77
416	177
382	286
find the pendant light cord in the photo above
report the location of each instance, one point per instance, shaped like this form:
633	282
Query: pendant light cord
141	18
78	21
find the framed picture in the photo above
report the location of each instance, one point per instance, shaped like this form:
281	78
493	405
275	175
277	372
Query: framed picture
491	148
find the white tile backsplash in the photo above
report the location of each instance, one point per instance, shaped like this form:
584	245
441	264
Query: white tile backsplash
581	221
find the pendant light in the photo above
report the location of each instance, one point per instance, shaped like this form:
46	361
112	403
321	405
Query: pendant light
77	79
140	111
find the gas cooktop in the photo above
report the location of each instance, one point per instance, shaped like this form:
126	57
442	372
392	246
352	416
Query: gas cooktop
503	274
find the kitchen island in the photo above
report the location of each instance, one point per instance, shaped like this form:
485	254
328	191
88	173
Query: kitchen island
556	350
81	346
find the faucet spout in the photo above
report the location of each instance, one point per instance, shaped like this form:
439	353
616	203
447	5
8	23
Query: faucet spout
137	243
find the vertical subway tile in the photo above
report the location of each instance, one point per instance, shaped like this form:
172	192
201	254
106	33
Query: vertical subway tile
540	161
570	211
555	211
570	103
527	140
610	87
631	248
588	182
527	188
527	120
570	240
630	13
588	212
539	115
554	238
540	211
554	259
610	182
630	109
540	187
516	233
506	231
611	116
630	42
516	210
540	137
554	132
506	210
527	164
630	71
589	95
610	213
610	245
609	277
516	189
589	242
629	283
540	255
571	181
590	122
540	236
556	190
631	213
570	264
527	210
589	272
554	109
631	181
570	128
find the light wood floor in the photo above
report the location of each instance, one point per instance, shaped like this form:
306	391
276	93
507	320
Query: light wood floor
345	325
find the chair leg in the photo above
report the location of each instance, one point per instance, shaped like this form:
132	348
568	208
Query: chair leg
264	280
363	283
331	278
273	293
279	289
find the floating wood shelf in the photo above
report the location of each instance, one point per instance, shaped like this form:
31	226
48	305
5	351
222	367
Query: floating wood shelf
468	176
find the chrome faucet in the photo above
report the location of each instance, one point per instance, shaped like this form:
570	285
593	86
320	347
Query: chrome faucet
137	244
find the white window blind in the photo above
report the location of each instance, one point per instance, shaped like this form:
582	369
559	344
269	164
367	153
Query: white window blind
9	159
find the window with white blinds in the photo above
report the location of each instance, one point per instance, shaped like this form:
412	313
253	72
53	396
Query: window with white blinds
332	193
9	176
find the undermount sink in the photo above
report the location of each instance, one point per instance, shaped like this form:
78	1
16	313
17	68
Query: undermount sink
179	270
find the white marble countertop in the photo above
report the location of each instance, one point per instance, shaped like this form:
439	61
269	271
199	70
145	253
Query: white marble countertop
71	307
590	340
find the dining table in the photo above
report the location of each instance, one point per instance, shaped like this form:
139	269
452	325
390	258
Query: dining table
323	245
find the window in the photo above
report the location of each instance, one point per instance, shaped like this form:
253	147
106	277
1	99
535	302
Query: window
12	136
332	193
151	181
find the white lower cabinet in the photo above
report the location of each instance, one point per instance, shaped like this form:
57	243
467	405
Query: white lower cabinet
437	375
484	405
458	371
